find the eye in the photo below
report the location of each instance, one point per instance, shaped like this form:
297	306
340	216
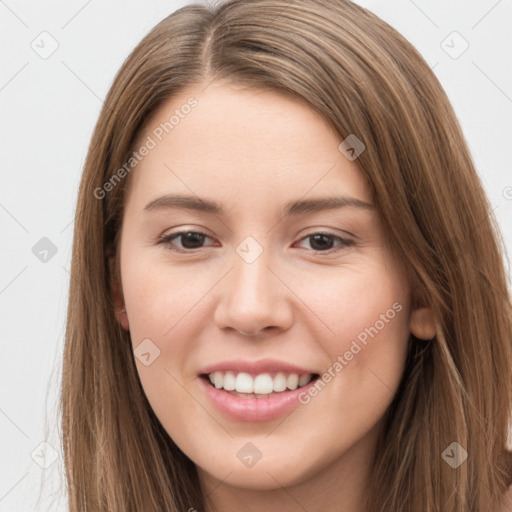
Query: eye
190	240
322	242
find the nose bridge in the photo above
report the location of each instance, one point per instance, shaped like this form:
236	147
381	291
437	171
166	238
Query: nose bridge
251	280
252	296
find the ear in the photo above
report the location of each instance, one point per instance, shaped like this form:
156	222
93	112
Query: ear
422	323
117	297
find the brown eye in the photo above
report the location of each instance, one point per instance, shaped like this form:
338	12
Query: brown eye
323	242
193	240
190	240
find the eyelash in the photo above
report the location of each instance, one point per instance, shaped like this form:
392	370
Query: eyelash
166	241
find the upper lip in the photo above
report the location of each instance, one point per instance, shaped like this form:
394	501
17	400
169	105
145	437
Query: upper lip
255	367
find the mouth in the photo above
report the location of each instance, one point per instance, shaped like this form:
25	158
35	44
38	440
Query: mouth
256	398
264	385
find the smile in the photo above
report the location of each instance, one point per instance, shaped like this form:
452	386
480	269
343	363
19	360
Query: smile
263	384
259	397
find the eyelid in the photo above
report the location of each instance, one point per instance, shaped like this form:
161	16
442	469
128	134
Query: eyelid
344	242
165	238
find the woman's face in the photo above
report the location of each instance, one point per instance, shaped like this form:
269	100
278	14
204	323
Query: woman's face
301	290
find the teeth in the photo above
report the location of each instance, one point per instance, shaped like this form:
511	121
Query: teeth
262	384
293	381
303	380
229	381
243	383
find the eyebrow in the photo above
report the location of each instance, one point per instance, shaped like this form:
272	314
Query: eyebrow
297	207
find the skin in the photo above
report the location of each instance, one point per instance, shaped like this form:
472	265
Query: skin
252	152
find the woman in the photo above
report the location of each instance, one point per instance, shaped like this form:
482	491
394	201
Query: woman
219	356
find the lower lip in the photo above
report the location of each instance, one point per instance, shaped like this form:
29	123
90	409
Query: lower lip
254	409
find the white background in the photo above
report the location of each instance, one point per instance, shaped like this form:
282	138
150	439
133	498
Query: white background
48	110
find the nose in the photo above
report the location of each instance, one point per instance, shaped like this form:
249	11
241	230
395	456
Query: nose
253	299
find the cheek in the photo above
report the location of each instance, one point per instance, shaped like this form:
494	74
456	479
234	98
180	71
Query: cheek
357	304
160	299
163	308
366	343
161	322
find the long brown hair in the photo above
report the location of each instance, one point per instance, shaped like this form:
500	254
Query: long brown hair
365	79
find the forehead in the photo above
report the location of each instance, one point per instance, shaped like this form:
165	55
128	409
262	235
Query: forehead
243	143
